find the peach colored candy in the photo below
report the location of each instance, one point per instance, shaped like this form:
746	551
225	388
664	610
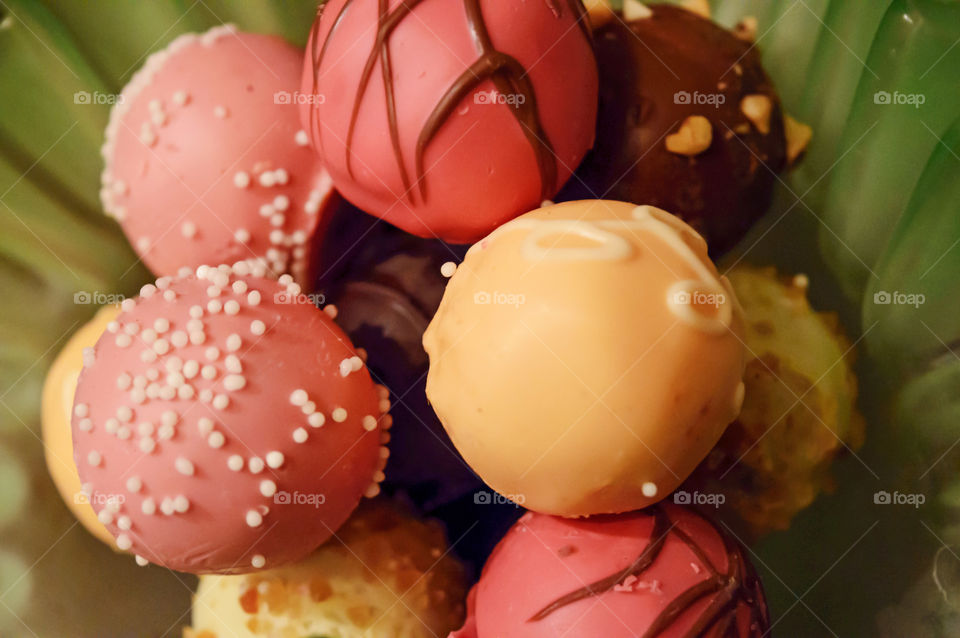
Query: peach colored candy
235	419
205	159
586	357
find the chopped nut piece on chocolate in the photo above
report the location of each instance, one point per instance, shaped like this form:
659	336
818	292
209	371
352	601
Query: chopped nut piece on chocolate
798	137
757	108
746	29
693	138
635	10
700	7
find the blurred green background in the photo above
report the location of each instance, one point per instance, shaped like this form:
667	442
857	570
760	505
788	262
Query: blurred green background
873	210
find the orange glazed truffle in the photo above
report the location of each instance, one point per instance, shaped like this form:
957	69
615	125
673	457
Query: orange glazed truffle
591	345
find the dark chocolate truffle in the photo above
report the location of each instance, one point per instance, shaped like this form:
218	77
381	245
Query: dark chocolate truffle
688	122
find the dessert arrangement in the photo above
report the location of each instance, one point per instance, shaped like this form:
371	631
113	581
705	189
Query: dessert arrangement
446	337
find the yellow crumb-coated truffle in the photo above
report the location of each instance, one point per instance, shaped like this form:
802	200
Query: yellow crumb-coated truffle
56	414
383	574
799	413
586	356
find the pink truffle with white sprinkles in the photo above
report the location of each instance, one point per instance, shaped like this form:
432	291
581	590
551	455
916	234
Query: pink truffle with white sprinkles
235	419
205	159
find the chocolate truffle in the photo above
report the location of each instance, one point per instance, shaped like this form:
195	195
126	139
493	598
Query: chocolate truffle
205	161
447	118
689	122
237	421
385	299
590	345
664	571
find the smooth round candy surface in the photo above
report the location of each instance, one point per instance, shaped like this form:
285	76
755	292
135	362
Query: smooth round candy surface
234	418
586	357
205	159
488	108
664	572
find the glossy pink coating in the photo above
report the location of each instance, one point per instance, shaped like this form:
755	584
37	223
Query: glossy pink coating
526	586
205	160
223	423
511	87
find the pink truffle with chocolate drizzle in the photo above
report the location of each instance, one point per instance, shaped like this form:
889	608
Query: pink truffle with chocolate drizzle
205	160
224	424
449	117
662	572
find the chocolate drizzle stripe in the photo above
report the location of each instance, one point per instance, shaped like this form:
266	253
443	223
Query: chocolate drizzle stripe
507	74
658	536
739	584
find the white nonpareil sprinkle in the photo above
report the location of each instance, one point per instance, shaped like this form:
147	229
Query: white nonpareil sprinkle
123	542
256	465
81	410
258	561
231	307
234	342
216	440
148	506
369	423
649	489
268	488
204	425
94	458
316	420
254	519
275	459
253	298
134	484
241	179
257	327
339	415
184	466
301	138
181	504
188	230
235	463
221	402
448	269
234	382
242	235
220	111
300	435
298	397
141	561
